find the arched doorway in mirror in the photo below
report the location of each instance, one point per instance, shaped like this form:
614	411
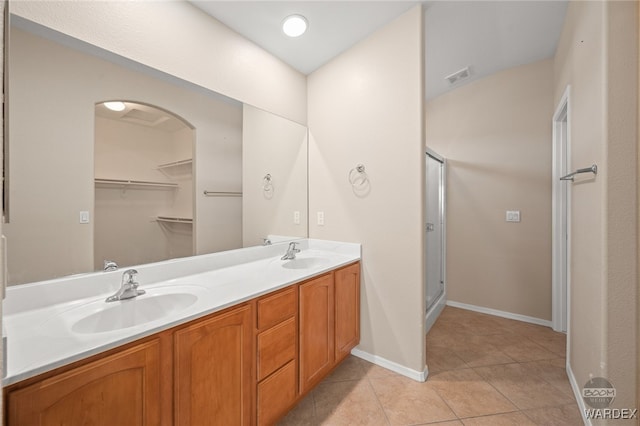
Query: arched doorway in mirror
143	170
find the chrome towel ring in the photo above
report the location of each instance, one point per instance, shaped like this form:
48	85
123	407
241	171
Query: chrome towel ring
358	176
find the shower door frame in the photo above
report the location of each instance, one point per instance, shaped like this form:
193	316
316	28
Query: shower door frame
440	301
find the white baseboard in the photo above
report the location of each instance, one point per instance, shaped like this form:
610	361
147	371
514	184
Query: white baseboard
434	312
498	313
419	376
578	395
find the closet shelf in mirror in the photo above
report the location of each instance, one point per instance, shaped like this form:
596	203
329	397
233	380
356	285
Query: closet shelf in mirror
177	168
123	183
174	219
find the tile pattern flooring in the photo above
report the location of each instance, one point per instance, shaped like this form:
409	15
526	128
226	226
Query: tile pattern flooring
483	370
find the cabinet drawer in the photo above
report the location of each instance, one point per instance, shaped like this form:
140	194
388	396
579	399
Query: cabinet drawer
276	347
276	394
276	308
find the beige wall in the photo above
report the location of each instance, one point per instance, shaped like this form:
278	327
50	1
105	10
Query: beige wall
597	56
51	176
622	204
177	38
366	106
496	136
276	146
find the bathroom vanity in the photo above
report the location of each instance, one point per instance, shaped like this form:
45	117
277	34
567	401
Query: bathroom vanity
260	335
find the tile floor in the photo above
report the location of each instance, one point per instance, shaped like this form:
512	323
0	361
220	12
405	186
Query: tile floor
483	370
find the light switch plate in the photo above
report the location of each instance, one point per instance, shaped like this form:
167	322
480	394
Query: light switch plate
513	215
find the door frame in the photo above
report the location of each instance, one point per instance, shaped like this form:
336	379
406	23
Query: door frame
561	206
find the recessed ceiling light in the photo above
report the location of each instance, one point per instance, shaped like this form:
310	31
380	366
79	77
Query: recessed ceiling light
115	105
294	25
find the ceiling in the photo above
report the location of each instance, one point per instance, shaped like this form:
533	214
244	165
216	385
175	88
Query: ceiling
486	36
143	115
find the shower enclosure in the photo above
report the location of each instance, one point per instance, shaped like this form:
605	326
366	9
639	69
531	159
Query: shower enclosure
435	289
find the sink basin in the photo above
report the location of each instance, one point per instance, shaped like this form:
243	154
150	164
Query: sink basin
305	263
132	312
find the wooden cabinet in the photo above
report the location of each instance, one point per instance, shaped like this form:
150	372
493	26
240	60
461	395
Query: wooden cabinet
246	365
277	366
276	347
316	330
277	394
277	307
124	388
347	319
201	373
213	363
329	322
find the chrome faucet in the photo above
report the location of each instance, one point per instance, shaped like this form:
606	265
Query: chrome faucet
128	288
110	265
291	251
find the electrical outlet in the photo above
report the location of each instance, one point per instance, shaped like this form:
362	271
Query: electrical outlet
321	218
296	217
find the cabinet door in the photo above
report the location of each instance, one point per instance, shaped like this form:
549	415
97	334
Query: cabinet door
213	368
119	389
316	330
347	295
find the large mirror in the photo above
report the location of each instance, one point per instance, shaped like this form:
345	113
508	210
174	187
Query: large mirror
178	171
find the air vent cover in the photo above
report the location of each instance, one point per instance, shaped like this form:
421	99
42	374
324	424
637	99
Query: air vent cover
136	114
147	117
458	76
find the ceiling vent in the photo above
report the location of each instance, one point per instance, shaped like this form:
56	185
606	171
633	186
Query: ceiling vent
149	118
136	114
458	76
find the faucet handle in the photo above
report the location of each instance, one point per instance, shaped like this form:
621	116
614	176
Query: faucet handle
293	246
110	265
129	277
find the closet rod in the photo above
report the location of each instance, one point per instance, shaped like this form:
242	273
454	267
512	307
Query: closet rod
222	194
122	182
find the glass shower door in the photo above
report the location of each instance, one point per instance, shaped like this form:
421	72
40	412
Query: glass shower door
434	228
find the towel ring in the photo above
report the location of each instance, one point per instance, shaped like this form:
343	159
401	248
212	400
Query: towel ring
358	176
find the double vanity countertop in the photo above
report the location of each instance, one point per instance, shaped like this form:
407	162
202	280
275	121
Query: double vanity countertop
53	323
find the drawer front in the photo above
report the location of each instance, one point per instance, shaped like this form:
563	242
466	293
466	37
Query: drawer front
276	347
276	394
277	308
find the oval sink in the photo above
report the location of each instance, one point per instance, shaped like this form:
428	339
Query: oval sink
305	263
132	312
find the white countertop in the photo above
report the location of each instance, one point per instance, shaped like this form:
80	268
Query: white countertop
38	317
